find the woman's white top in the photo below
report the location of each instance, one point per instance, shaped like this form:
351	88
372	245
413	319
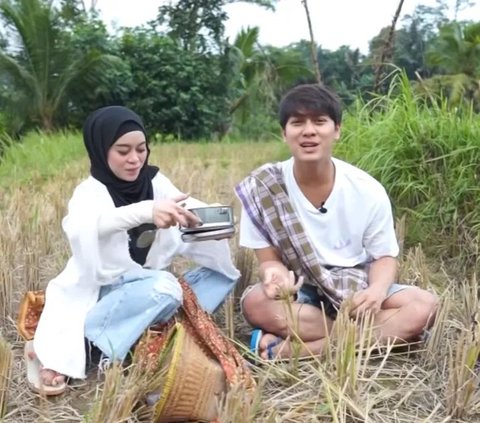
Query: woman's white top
97	232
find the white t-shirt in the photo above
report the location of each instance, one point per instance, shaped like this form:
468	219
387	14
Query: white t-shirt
358	224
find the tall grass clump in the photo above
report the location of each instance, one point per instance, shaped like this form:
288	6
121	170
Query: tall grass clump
428	158
6	357
39	156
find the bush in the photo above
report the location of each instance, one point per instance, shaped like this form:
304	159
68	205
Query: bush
428	158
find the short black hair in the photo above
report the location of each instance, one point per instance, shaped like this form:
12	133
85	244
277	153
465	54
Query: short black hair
310	100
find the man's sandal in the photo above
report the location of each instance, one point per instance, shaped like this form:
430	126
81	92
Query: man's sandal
255	339
34	367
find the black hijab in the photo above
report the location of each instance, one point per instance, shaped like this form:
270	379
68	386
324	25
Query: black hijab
102	128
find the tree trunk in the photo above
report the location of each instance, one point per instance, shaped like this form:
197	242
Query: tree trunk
46	118
313	46
387	51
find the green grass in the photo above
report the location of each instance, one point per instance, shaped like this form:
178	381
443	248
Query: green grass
427	157
349	384
39	156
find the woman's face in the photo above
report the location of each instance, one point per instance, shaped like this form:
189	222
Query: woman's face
127	155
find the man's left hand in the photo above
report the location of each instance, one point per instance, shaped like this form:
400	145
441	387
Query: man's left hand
369	299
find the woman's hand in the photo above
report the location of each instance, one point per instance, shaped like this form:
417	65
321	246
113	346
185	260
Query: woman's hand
167	213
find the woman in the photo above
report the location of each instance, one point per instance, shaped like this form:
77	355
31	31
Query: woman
114	286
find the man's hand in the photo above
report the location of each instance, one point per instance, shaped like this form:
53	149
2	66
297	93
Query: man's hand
369	299
279	283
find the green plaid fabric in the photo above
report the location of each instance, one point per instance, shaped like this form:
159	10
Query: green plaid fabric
264	196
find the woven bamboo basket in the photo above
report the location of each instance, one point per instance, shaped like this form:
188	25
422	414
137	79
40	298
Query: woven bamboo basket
193	383
29	313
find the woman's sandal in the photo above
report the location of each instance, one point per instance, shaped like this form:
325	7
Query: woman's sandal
33	374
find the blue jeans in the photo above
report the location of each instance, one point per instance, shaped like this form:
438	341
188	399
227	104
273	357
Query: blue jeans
139	298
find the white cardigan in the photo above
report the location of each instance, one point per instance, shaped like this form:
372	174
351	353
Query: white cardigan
97	260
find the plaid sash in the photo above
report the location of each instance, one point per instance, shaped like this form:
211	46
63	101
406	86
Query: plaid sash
264	196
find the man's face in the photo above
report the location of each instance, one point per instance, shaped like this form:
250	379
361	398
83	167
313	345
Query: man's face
127	156
311	138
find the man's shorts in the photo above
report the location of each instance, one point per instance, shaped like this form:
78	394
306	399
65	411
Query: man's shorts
309	294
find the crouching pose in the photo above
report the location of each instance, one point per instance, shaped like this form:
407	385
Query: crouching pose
122	226
317	219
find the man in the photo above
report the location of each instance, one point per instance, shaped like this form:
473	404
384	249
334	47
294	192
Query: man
319	219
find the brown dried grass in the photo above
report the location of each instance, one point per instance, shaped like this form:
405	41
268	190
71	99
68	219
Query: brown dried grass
5	373
352	382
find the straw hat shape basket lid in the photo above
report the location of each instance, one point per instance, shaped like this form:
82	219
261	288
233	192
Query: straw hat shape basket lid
193	383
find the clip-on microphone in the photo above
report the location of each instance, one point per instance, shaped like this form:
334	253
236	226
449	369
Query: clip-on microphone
322	208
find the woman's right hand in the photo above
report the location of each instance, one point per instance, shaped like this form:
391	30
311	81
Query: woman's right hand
167	213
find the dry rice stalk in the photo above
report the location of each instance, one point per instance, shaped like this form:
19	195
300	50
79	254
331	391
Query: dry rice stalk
437	332
6	357
414	268
245	262
345	366
9	249
237	405
31	269
352	342
6	290
229	312
462	395
470	309
337	401
400	229
123	393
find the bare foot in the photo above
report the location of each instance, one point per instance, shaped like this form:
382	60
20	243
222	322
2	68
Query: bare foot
47	376
51	377
272	346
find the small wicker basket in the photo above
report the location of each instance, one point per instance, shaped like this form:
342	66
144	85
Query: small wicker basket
30	309
193	383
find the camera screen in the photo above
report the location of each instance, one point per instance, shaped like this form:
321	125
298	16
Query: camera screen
213	214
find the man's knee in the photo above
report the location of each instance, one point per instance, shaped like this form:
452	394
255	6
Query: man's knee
252	304
428	306
423	308
261	311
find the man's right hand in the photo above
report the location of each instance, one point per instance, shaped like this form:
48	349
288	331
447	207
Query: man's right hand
280	283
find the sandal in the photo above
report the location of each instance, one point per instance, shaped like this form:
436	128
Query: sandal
255	339
34	367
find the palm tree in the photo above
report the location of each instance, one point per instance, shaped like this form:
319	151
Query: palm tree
39	65
254	69
456	55
457	49
262	73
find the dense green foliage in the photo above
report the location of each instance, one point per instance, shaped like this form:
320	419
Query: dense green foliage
428	159
189	81
40	63
176	91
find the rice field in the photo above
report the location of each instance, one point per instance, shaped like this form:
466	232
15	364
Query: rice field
355	381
